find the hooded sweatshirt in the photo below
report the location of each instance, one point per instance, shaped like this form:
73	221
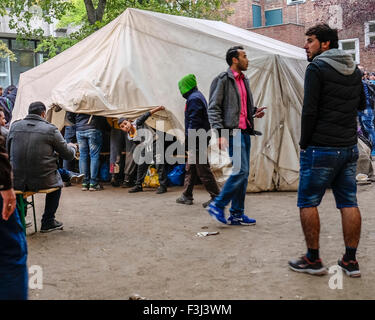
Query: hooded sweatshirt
333	95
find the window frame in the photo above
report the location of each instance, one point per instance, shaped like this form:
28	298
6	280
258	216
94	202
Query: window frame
368	34
356	50
275	9
293	2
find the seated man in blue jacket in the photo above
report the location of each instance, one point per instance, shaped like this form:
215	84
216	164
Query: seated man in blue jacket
196	118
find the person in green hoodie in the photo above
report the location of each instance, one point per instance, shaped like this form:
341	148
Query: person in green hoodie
328	158
196	119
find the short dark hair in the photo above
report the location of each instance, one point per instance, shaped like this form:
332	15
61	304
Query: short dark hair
324	33
233	53
1	109
37	108
121	120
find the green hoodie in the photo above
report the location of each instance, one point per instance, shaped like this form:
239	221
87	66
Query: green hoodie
187	83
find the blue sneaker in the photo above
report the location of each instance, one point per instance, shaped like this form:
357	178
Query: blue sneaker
241	221
216	212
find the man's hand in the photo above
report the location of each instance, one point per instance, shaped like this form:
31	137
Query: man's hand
260	112
9	203
157	109
72	145
223	143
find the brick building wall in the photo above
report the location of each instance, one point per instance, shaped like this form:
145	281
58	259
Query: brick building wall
296	19
290	32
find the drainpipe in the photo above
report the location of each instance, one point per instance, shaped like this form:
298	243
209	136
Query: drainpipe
297	13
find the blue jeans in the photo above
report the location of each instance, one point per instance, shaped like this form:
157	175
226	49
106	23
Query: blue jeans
13	257
366	119
90	144
324	167
66	174
235	187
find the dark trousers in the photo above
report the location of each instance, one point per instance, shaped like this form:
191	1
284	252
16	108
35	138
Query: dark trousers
203	171
52	203
70	136
130	167
160	167
117	145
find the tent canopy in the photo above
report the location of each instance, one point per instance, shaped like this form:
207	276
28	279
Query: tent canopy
135	62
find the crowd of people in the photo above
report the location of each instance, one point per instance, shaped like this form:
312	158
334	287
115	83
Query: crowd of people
366	119
336	91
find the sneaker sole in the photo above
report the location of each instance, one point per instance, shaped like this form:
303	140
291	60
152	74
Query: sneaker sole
182	202
53	229
243	224
318	272
351	274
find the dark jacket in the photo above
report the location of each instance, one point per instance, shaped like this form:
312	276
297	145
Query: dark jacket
5	168
8	108
196	111
224	107
82	121
331	101
34	146
12	95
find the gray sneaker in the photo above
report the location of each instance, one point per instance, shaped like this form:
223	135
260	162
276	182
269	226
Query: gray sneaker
95	187
52	226
77	178
184	200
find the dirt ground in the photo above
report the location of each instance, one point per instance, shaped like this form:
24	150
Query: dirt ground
116	244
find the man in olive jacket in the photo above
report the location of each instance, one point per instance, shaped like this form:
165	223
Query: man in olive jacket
34	146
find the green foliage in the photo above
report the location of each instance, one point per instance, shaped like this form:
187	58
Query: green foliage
6	53
75	13
22	13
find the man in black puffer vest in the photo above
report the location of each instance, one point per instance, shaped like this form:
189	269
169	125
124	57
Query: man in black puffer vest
333	95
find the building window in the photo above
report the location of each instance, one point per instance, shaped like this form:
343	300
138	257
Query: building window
5	69
274	17
257	16
294	1
370	33
26	59
351	46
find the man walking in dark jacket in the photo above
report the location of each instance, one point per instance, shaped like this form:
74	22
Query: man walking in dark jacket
34	146
196	118
329	153
231	108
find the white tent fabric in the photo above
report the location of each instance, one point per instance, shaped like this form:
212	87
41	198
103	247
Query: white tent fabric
136	61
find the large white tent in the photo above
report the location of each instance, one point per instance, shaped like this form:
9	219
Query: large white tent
136	61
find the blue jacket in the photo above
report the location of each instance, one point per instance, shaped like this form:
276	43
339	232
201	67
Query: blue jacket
196	111
13	246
